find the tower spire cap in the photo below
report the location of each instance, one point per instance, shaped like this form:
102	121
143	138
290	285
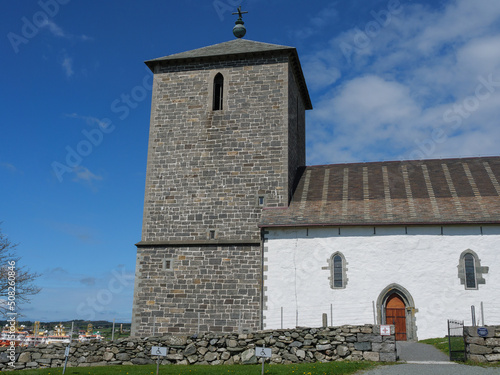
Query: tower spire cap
239	29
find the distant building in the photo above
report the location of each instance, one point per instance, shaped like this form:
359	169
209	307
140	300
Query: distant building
238	234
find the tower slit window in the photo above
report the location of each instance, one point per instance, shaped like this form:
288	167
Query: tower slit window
218	92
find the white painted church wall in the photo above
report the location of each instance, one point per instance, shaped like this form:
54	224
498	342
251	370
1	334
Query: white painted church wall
424	262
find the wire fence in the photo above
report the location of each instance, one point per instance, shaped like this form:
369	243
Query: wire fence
284	317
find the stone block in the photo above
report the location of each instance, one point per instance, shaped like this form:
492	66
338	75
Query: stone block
385	347
478	349
108	356
493	342
24	357
190	350
493	357
363	337
371	356
474	340
477	358
388	357
342	350
301	354
210	356
142	361
122	357
363	346
290	357
324	347
248	357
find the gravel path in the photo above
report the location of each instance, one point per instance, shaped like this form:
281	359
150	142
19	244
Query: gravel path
414	351
426	359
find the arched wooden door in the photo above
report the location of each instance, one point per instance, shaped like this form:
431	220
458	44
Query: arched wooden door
395	313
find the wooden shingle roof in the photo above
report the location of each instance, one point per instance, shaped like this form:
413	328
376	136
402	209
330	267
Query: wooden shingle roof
444	191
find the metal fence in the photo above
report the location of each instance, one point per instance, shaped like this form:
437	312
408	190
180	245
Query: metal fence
456	340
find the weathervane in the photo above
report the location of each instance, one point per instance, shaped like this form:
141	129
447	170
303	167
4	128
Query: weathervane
239	29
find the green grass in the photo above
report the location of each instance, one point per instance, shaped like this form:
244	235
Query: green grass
331	368
457	346
439	343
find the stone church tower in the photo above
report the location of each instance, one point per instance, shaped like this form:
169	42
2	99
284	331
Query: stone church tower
227	136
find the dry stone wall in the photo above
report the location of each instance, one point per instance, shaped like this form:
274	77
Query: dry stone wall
356	343
483	349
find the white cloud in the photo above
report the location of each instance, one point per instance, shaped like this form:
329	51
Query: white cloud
316	23
320	73
67	65
89	120
54	29
10	167
391	94
83	174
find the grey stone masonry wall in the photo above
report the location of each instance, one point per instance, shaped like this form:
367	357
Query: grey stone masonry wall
483	349
301	345
206	171
296	131
220	283
206	168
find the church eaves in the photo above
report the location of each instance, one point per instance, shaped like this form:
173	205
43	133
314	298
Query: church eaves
421	192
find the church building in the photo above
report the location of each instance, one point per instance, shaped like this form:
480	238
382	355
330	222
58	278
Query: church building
239	234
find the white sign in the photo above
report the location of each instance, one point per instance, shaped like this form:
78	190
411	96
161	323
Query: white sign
158	350
385	330
66	352
263	352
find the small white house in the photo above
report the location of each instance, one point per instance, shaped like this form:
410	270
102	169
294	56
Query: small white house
411	243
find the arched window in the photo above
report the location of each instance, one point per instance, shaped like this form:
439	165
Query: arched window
338	278
218	92
470	271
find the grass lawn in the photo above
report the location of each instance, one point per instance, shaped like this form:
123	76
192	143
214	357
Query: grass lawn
440	343
331	368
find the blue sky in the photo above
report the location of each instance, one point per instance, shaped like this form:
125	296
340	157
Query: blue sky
389	80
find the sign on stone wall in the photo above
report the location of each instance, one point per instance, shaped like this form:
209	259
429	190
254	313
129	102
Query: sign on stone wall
263	352
158	350
385	330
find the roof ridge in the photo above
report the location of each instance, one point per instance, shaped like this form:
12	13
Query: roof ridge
219	49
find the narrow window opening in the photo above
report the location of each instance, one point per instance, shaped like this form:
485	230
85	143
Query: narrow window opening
261	200
470	272
337	272
218	92
212	235
168	264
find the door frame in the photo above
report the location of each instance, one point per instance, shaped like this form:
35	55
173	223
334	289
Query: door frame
411	327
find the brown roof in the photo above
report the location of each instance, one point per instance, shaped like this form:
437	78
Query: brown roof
452	191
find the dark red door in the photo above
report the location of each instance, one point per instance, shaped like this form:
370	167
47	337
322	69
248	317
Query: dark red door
395	313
